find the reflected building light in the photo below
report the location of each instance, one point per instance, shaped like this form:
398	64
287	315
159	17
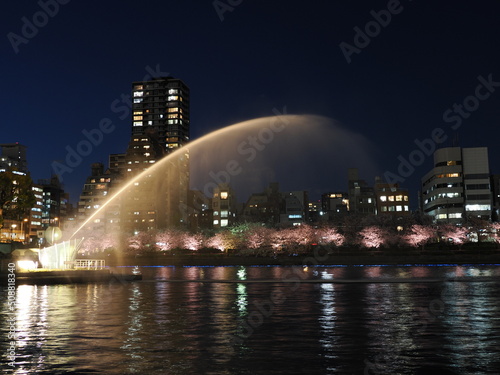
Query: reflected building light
328	319
326	275
242	273
242	299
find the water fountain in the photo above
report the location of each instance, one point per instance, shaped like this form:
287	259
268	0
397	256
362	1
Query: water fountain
248	155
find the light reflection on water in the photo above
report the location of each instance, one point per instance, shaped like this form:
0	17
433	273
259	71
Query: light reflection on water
268	327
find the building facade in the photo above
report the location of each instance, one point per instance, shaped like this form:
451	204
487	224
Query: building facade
224	206
335	205
458	185
295	208
160	128
392	200
13	157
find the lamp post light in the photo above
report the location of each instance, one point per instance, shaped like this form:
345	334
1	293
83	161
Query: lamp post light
23	229
12	228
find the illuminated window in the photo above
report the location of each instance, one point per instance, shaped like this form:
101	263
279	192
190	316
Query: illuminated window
406	198
137	118
216	222
173	97
407	208
137	100
138	87
137	123
173	91
391	208
138	93
391	198
399	208
224	195
173	109
399	198
384	208
224	213
477	207
383	198
216	213
138	112
224	223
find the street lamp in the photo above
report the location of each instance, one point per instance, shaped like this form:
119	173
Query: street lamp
23	229
12	228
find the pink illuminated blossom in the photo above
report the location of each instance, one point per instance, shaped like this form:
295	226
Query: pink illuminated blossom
419	234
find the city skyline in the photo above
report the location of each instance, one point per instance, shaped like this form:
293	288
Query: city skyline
405	91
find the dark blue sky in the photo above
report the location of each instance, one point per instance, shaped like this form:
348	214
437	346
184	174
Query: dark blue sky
262	55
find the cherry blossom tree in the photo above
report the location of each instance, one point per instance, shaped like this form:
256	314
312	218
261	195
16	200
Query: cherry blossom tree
191	241
495	230
458	235
258	237
419	235
142	241
168	240
330	236
373	236
217	241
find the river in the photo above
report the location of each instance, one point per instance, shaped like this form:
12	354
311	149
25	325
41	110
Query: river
260	320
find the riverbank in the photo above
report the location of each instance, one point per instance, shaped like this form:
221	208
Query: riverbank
373	258
48	277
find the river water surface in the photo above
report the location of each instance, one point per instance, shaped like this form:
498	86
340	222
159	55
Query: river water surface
261	320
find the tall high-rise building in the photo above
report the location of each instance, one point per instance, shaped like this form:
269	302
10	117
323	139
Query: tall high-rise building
160	127
458	185
161	106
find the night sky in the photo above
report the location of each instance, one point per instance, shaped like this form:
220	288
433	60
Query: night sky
249	57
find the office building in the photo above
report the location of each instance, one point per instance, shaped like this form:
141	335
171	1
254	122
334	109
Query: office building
392	200
224	206
160	126
295	208
13	157
361	196
335	205
458	185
